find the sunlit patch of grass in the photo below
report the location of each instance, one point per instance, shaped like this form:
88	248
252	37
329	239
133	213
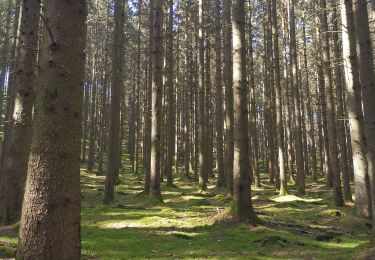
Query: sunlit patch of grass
290	198
186	225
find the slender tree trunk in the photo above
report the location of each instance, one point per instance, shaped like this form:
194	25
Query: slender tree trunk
202	140
331	119
85	123
219	97
11	79
278	107
148	120
91	159
157	86
228	81
325	157
252	107
310	115
242	190
4	56
297	114
171	118
114	125
188	95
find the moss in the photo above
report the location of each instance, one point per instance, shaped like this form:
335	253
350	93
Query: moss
185	226
6	252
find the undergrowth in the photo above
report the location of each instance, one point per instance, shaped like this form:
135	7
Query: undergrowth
194	225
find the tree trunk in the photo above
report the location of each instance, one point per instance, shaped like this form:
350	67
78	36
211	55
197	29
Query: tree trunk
354	111
228	81
171	118
50	221
114	124
278	107
219	97
330	109
340	111
241	182
367	80
157	86
297	114
202	169
16	153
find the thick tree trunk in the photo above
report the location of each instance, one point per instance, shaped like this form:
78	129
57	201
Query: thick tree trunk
50	222
340	111
367	80
354	110
16	153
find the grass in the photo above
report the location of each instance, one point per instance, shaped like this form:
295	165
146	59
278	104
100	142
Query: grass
194	225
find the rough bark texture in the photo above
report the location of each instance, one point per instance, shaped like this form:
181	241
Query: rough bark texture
354	111
243	208
50	221
16	152
367	79
340	110
114	123
330	109
157	86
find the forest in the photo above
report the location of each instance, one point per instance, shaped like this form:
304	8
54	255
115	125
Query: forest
187	129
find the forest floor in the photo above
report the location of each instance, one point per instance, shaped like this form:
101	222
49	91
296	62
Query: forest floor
195	225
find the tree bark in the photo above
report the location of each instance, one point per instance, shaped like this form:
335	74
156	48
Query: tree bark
228	81
171	113
354	111
50	221
330	109
157	86
278	107
16	153
114	124
367	80
219	97
297	114
241	183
